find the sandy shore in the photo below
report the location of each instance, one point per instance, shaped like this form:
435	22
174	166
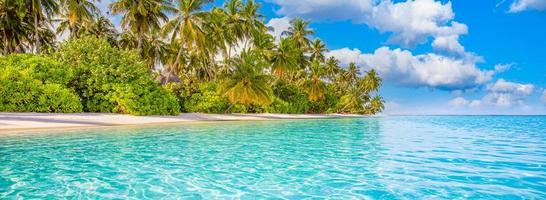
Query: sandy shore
32	121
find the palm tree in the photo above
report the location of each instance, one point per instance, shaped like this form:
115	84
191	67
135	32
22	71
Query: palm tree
299	31
103	27
42	11
351	102
317	50
154	50
248	84
332	68
140	17
376	105
186	27
284	57
370	82
76	14
264	44
252	22
15	25
234	21
313	84
352	73
217	31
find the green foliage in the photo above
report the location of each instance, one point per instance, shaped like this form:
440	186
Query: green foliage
326	105
290	99
35	84
111	80
185	38
206	100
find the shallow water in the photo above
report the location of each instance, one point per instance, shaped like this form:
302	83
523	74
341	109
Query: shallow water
417	157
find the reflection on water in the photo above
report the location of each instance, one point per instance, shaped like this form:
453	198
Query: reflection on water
390	157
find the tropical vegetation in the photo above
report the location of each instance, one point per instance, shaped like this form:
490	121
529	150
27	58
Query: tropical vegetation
169	57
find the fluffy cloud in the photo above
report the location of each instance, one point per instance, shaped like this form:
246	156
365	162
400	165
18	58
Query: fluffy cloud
278	26
522	5
500	94
411	22
425	70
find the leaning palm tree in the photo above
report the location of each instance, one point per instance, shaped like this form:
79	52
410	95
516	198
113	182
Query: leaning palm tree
140	17
247	84
41	11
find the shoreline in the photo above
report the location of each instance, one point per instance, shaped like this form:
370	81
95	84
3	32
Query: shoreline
23	122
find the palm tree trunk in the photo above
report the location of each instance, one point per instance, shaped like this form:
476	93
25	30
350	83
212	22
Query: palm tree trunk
139	42
5	43
231	106
36	35
176	63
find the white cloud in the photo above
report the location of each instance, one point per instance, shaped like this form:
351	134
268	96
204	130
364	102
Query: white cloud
411	22
459	101
425	70
522	5
279	25
503	86
503	67
499	94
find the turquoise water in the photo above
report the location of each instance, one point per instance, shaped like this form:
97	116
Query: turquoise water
422	157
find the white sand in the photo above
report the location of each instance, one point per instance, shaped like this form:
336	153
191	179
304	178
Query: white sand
29	121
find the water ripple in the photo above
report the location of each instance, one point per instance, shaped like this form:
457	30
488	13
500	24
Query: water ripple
418	157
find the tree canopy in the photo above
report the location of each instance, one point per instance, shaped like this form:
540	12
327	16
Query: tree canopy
202	57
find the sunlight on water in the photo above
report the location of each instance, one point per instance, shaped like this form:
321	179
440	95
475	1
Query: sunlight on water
385	158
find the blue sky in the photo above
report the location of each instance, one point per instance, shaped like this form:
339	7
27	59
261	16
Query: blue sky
436	57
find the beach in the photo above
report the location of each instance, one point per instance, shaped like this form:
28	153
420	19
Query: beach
33	121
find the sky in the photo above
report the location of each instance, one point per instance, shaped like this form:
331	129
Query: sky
435	57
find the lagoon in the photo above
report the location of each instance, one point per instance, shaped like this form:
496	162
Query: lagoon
393	157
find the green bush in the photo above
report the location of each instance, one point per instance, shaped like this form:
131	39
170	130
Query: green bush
279	106
206	100
35	84
327	105
291	99
108	79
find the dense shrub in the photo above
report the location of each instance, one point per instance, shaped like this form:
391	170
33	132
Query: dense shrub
108	79
31	83
326	105
207	100
290	99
